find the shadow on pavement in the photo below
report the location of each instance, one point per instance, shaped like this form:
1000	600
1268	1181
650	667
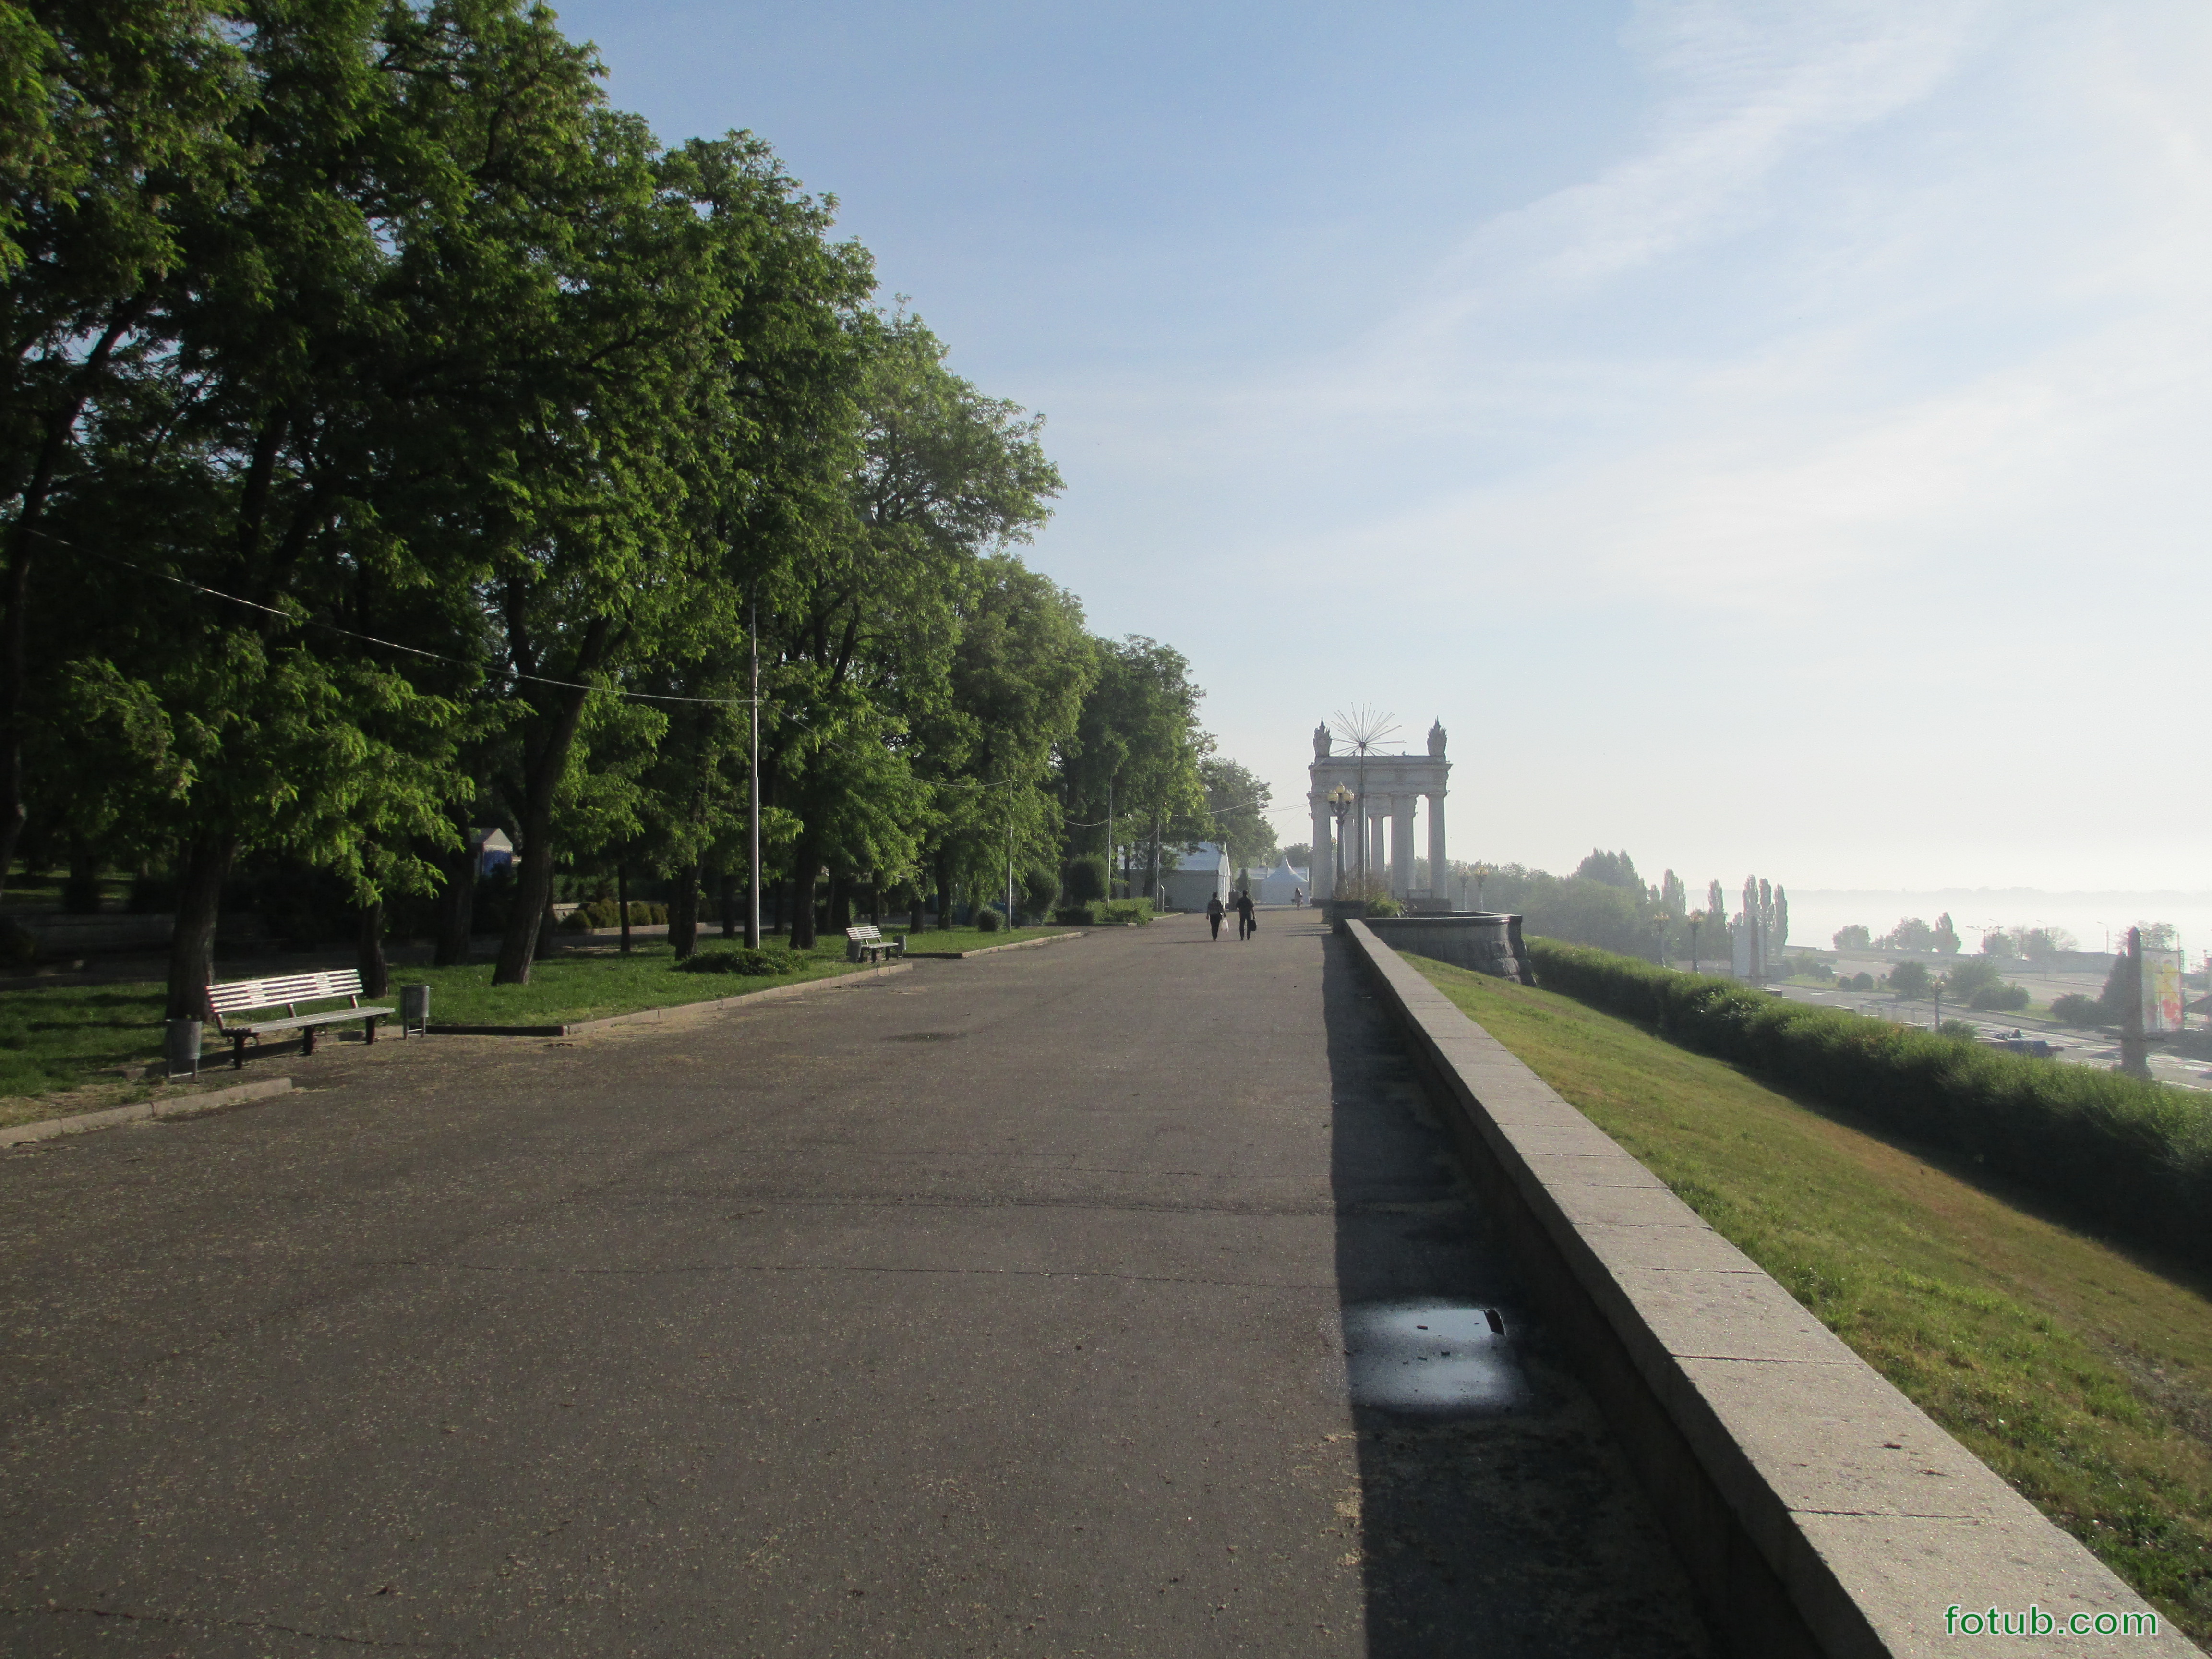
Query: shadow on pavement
1497	1516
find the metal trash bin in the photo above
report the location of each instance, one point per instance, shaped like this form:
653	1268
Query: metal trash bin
181	1048
414	1009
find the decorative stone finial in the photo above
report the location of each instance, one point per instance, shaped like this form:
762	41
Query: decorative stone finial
1436	739
1321	741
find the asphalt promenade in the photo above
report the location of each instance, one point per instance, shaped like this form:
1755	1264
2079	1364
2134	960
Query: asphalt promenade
1114	1297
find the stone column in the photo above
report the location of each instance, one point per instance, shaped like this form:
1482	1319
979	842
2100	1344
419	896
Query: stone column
1401	846
1323	861
1439	876
1376	862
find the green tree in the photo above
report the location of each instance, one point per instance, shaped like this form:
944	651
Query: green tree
868	631
118	133
1613	869
1134	758
1910	933
1237	804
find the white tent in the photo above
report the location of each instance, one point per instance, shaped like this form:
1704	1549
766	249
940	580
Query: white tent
1281	884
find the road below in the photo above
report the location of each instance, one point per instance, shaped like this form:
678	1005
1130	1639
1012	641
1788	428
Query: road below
1118	1297
2070	1045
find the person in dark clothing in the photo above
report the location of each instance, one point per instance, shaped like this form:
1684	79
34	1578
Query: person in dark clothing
1246	923
1214	913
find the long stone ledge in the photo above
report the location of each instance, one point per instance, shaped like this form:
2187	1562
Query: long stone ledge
1818	1509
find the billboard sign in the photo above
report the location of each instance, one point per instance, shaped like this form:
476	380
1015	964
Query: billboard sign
2162	992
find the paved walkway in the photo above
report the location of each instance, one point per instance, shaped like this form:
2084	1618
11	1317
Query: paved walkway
999	1307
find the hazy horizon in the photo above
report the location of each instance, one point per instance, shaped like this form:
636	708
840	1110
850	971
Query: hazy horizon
1767	434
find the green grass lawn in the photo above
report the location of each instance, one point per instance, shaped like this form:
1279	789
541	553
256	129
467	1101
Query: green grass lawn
2080	1372
59	1037
64	1036
969	939
565	988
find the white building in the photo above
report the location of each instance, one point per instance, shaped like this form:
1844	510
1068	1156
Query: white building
1199	874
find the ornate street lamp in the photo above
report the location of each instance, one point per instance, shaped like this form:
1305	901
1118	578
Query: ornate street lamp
1339	803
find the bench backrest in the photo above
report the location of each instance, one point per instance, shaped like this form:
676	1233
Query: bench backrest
240	996
865	935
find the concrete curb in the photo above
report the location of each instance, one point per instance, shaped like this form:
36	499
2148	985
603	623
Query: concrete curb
986	950
657	1016
750	999
1817	1509
183	1106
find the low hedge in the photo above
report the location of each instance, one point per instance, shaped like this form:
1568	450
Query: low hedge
1103	913
743	960
2133	1155
606	913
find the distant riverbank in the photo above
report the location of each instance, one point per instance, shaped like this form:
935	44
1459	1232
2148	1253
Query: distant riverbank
1815	914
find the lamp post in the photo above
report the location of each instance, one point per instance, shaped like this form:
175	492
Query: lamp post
1339	803
1480	870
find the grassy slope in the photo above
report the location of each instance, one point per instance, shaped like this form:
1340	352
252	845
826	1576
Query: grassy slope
2077	1372
57	1038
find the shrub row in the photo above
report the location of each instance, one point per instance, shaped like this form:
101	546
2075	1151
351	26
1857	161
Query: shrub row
743	960
2132	1155
1103	913
606	913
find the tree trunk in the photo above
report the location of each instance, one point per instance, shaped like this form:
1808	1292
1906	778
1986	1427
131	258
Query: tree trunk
944	888
841	900
805	865
456	904
727	895
533	884
547	921
81	888
375	971
201	873
622	901
684	912
921	903
876	900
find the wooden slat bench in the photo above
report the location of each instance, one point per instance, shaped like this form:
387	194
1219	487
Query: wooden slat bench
245	996
867	944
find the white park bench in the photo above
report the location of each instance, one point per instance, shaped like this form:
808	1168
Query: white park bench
867	944
247	996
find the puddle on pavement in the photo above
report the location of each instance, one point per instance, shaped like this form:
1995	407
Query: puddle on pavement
1430	1358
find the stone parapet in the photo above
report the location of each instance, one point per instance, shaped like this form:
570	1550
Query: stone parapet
1818	1509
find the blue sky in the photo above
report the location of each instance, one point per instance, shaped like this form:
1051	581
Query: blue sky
1770	436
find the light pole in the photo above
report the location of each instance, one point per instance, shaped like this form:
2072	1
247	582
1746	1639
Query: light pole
1339	803
1693	941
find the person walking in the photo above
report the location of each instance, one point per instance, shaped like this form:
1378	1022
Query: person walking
1246	923
1213	914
